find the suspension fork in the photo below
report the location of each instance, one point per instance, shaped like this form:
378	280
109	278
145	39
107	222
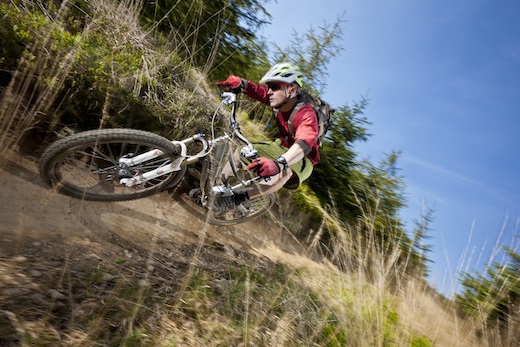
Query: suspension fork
175	165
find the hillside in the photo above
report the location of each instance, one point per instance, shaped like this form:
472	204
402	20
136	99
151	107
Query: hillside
151	273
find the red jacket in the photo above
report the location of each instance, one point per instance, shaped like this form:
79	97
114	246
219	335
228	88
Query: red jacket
305	124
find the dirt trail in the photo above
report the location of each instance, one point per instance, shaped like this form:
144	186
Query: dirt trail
38	225
32	211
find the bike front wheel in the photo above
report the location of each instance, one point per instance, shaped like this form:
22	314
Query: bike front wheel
86	165
244	212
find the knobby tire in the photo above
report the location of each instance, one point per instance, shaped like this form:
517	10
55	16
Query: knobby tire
85	165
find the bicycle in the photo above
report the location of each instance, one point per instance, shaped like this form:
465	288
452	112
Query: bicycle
128	164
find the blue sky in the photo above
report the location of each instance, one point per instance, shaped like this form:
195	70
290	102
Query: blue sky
443	83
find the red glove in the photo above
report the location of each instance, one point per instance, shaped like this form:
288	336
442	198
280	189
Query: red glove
232	84
264	167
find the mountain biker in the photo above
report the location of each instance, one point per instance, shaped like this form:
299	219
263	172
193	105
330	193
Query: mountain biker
289	160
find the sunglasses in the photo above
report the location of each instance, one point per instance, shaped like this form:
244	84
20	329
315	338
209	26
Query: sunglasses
276	86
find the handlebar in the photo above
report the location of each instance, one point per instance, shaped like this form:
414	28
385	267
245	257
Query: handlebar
230	98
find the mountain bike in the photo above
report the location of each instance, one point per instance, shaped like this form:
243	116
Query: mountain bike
127	164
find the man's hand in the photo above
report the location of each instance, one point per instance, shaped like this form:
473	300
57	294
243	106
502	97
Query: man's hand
232	84
265	167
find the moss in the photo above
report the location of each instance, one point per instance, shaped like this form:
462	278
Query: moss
421	341
333	335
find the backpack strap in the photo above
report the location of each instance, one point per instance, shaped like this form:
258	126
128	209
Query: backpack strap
273	115
291	117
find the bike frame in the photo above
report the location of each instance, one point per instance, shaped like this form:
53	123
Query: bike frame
184	159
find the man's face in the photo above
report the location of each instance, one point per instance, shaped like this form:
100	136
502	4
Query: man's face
278	93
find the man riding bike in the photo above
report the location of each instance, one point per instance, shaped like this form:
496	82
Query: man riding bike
289	160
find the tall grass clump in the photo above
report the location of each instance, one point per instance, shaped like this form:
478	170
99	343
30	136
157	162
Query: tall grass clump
386	301
82	65
41	68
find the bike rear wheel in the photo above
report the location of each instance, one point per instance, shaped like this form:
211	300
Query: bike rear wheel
244	212
86	165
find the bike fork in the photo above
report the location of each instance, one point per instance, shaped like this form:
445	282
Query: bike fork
175	165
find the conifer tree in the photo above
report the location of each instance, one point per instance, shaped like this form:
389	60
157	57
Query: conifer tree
218	36
495	295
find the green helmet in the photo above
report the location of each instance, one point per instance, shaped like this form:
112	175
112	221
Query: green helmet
284	73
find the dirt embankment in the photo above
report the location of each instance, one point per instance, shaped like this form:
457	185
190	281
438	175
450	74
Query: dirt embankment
53	245
63	259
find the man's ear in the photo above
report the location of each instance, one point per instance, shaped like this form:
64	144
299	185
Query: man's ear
293	91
